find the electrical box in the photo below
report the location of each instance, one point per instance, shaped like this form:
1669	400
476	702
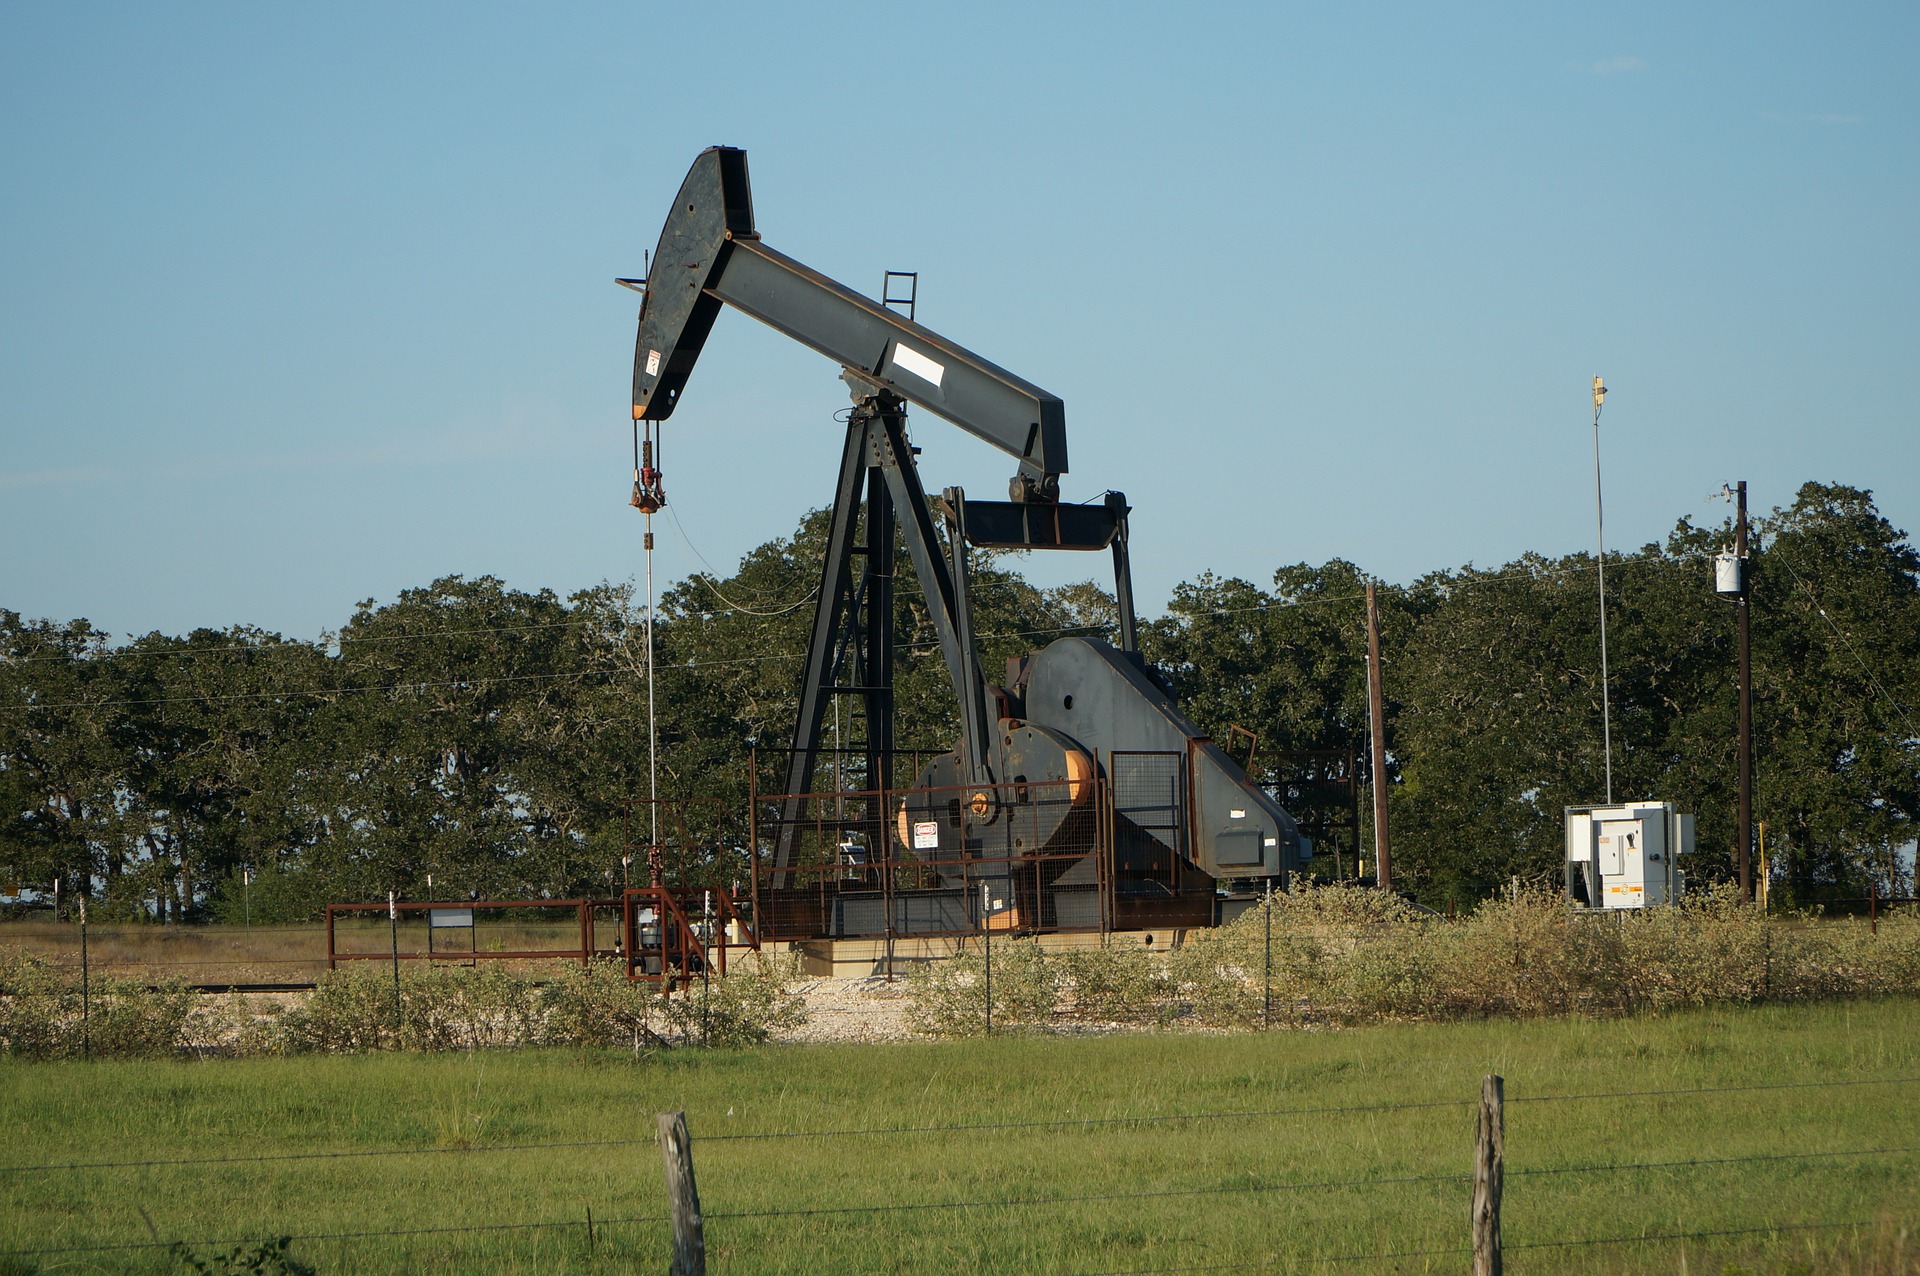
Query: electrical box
1729	574
1626	856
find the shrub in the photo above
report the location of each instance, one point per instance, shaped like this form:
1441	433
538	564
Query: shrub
472	1008
1347	955
597	1006
949	998
745	1007
44	1015
1115	983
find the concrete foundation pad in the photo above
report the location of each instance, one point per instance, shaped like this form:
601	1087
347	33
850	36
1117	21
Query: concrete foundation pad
866	958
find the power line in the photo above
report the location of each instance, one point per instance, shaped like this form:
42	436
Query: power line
1813	600
280	643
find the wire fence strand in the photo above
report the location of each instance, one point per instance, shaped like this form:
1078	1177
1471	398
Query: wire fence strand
1056	1123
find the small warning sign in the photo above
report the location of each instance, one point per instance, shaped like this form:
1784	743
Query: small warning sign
926	835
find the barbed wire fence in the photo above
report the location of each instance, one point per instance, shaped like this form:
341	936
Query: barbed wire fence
681	1228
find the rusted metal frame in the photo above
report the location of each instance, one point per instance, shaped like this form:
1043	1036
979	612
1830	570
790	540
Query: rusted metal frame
1235	732
667	906
630	930
421	906
728	909
687	938
583	954
531	954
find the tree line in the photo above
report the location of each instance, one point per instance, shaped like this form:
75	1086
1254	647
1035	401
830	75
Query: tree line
497	740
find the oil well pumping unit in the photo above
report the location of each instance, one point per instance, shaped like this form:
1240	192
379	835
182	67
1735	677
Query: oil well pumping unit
1078	796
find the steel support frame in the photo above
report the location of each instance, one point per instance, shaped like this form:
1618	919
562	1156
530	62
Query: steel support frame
877	476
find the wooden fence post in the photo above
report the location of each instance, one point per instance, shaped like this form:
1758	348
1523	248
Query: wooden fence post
1488	1151
683	1198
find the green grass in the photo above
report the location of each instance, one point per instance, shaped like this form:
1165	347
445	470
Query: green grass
133	1111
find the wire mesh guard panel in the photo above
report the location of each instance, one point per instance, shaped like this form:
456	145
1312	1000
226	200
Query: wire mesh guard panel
914	862
1147	792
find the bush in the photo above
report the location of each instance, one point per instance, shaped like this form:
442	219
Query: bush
596	1006
1346	955
1115	983
743	1008
949	998
44	1015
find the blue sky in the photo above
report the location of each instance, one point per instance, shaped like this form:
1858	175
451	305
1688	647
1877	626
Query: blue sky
306	305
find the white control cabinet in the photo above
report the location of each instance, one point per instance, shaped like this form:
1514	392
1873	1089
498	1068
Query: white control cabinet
1626	856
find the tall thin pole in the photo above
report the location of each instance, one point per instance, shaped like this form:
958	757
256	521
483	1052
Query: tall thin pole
649	496
86	988
393	929
986	943
1600	537
1745	849
1377	720
1266	1001
653	738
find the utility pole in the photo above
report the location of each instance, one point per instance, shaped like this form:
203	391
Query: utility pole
1600	536
1746	696
1733	579
1376	718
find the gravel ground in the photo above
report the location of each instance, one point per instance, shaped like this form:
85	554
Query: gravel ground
864	1009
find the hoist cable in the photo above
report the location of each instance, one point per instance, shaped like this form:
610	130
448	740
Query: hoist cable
653	738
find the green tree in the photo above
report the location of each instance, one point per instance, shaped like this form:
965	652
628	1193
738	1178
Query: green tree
1836	618
60	754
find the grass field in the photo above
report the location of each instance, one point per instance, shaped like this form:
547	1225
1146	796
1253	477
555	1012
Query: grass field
1222	1185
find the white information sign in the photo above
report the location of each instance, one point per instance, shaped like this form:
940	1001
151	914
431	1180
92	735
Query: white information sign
926	835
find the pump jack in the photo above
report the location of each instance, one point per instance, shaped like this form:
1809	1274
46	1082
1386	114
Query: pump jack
1076	718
